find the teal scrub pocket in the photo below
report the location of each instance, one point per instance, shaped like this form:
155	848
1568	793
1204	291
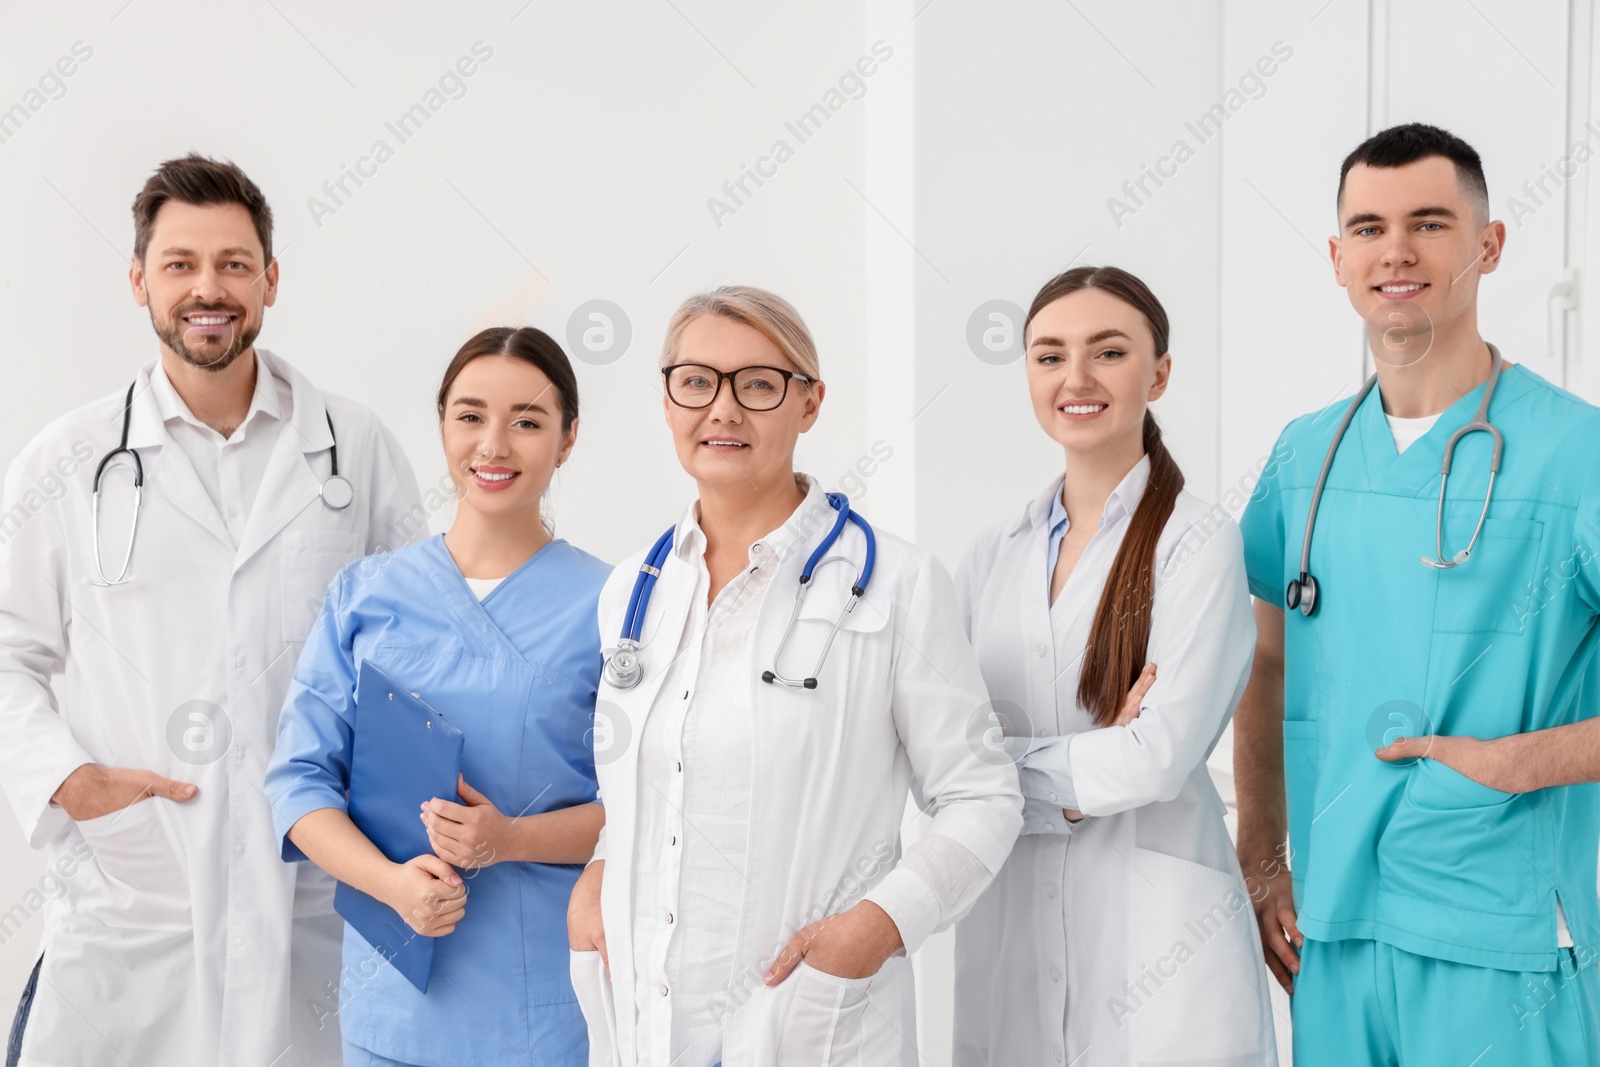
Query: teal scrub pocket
1455	841
1300	783
1488	593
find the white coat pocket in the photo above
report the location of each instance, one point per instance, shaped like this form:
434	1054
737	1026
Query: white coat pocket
826	1020
1196	972
146	877
593	987
310	560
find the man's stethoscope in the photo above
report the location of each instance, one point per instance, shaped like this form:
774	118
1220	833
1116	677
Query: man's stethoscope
337	492
622	668
1302	591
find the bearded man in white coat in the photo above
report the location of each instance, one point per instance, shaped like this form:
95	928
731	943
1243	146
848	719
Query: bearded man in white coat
175	602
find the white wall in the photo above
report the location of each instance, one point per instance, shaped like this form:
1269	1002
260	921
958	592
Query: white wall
978	160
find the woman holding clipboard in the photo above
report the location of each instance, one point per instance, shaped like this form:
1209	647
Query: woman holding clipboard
492	624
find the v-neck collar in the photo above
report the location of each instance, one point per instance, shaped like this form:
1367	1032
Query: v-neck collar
474	612
1415	470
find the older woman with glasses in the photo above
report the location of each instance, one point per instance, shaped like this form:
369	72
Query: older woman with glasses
758	904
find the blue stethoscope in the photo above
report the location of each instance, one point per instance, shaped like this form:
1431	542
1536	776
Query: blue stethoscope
1302	591
623	670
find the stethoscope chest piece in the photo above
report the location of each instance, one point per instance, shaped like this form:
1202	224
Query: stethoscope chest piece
1302	594
622	667
337	492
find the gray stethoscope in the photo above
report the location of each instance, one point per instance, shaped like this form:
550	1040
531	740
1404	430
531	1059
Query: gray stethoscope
1302	591
337	492
623	669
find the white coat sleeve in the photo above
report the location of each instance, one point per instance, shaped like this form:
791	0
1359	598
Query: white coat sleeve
975	804
1202	639
398	517
40	750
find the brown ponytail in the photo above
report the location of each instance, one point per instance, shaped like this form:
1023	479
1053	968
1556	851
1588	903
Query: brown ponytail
1120	635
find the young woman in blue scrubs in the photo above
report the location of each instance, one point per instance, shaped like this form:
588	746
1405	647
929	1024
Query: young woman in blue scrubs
493	624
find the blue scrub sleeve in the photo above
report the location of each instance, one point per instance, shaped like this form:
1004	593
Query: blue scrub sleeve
1263	528
310	766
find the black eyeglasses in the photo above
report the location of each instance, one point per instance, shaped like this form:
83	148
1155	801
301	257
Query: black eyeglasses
694	385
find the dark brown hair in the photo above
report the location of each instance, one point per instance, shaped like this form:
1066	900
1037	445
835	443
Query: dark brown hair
195	179
529	345
1120	635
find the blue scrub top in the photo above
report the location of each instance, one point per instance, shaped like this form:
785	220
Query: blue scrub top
1419	856
518	673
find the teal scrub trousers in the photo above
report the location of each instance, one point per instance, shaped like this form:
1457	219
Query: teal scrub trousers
1360	1003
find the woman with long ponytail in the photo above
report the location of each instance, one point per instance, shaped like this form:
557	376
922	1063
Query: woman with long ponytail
1113	624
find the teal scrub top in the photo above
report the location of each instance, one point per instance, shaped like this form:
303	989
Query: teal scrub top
1419	856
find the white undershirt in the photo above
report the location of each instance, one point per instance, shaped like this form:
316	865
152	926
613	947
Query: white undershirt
482	587
1408	431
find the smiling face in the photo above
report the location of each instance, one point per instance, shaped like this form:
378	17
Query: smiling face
204	282
724	445
502	434
1093	368
1412	245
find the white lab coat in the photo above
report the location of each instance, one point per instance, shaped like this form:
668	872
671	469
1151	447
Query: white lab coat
831	769
180	938
1130	939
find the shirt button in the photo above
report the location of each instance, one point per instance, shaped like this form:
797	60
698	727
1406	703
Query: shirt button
673	840
669	918
1039	650
662	990
238	661
238	850
1050	890
679	767
1055	974
758	549
1050	827
233	513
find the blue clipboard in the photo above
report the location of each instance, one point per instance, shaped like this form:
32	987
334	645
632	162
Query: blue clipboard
405	753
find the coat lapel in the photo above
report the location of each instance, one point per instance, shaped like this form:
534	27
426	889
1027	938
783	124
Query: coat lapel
289	483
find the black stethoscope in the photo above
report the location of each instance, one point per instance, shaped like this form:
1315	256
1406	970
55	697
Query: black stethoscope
337	492
623	669
1302	591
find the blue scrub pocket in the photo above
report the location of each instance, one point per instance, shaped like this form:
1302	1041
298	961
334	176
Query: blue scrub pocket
1489	593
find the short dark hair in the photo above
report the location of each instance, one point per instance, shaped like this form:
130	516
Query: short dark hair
532	346
195	179
1399	145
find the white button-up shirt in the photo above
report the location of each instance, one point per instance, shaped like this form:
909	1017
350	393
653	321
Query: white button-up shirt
694	775
230	469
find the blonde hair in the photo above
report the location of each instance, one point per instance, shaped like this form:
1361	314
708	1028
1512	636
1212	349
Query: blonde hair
768	313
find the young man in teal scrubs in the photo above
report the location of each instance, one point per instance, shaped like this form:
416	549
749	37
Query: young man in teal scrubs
1426	735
